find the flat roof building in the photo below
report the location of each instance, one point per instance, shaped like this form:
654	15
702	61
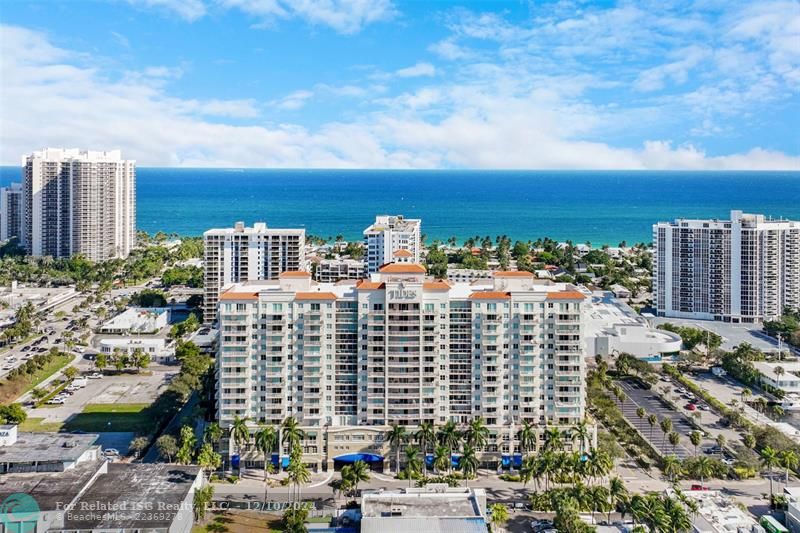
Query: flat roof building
137	320
388	235
11	213
746	269
351	358
237	254
432	509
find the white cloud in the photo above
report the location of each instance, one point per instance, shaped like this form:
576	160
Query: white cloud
415	71
449	49
654	79
344	16
507	119
294	100
189	10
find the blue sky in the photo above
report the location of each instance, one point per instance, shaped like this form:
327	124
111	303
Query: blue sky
565	84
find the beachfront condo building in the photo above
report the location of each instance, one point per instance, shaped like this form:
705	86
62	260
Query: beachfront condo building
78	202
388	235
333	270
237	254
11	211
352	358
746	269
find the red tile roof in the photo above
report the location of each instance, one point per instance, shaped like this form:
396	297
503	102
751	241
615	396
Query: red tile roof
565	295
438	285
402	268
512	274
402	253
314	296
231	295
295	274
490	295
366	285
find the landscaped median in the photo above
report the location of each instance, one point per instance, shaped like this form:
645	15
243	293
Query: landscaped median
30	374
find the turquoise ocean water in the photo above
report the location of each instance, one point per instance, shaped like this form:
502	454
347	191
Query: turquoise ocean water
601	207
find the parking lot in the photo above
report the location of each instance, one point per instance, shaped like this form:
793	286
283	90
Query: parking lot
732	334
123	389
638	396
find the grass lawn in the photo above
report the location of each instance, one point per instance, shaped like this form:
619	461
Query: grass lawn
96	417
10	390
37	424
238	521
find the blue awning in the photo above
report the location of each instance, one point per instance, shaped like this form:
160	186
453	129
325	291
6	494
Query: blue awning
353	457
429	460
235	460
455	460
505	460
517	460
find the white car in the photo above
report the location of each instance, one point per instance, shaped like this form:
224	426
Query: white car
56	401
95	375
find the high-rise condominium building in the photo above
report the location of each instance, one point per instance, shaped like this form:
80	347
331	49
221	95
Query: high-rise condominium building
388	235
333	270
746	269
244	254
11	214
79	202
349	359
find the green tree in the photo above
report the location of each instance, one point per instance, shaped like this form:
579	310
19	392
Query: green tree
208	459
167	447
695	437
292	434
397	436
672	467
426	436
674	438
359	472
527	437
468	463
202	498
499	514
239	433
769	459
477	434
265	440
413	463
138	445
652	420
13	414
212	433
188	443
449	438
140	359
70	372
297	472
666	427
789	460
101	361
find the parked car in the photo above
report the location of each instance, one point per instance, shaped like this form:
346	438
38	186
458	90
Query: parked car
699	487
56	401
702	407
691	407
95	375
712	450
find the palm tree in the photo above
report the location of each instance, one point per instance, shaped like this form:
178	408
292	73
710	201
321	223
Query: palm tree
672	467
789	460
468	463
359	472
413	463
527	437
425	435
499	514
618	493
240	434
212	433
265	440
292	434
441	459
450	438
552	440
702	468
769	458
641	413
397	437
677	517
599	500
746	393
477	434
695	437
652	420
779	371
581	432
674	439
666	427
297	473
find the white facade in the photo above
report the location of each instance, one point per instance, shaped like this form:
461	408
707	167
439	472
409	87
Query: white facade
157	348
333	270
78	202
400	349
137	320
11	214
781	375
387	235
612	326
467	275
240	253
746	269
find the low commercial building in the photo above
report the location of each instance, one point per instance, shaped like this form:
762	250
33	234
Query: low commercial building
59	483
792	495
159	349
718	513
432	509
612	326
42	298
781	375
467	275
137	320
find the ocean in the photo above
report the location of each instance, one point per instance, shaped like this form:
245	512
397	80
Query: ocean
599	207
